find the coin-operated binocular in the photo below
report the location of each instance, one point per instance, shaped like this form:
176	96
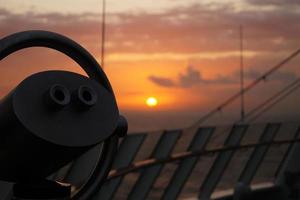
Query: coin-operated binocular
53	117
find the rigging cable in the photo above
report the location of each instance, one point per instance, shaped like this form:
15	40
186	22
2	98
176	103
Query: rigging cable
247	88
287	93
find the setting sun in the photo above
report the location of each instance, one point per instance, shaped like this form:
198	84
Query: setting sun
151	101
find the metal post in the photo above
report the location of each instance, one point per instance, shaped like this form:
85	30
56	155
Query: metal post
242	74
103	32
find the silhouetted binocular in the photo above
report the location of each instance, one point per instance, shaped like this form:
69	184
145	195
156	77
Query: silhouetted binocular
53	117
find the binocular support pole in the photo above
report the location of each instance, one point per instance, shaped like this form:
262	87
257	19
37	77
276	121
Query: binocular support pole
45	189
52	190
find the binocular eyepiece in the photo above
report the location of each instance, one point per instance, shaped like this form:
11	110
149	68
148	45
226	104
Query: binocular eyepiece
60	96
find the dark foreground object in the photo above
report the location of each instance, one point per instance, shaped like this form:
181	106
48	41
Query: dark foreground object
53	117
42	190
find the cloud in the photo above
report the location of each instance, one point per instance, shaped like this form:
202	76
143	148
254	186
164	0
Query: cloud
191	32
161	81
274	2
186	79
180	56
189	78
192	77
192	29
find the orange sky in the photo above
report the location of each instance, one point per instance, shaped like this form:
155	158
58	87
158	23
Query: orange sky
185	53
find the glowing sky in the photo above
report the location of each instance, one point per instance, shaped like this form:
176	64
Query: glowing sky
185	53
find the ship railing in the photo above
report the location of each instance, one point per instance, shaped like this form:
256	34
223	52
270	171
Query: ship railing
198	162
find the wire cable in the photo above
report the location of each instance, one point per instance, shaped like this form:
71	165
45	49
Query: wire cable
247	88
274	103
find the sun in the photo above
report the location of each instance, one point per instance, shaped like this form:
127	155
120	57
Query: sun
151	101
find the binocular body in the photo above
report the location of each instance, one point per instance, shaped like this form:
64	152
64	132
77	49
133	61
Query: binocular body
50	119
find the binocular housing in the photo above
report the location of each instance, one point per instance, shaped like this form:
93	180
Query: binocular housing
50	119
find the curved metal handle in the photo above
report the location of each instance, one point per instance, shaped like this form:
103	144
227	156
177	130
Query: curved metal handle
38	38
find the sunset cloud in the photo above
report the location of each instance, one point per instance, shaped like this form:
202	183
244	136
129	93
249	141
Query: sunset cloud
162	81
193	30
192	77
275	2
